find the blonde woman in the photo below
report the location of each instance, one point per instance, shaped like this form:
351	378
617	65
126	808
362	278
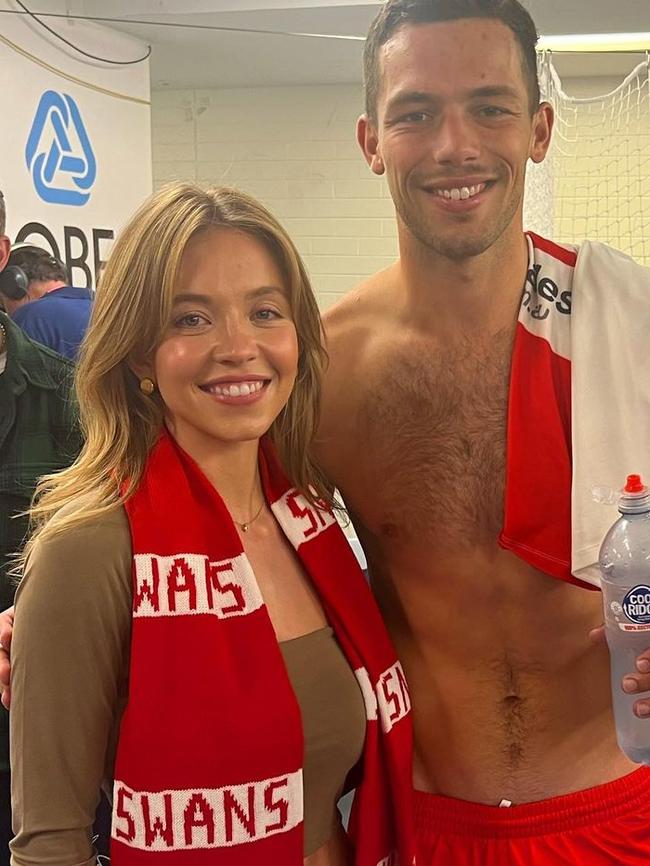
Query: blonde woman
192	627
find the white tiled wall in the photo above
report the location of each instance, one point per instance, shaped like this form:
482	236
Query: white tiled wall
295	149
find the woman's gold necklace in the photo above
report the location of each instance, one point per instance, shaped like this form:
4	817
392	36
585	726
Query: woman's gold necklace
248	523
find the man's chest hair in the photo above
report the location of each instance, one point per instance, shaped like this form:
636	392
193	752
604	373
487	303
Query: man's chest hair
433	437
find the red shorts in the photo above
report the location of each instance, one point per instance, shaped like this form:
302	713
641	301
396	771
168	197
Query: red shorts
604	826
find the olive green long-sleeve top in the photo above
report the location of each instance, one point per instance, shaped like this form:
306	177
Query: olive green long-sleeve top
70	656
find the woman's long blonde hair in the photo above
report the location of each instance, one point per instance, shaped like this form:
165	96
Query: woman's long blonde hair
132	308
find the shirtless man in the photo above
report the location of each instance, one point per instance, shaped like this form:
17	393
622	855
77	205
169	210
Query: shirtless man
511	700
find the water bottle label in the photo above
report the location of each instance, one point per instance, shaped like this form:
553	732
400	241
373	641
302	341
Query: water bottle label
636	607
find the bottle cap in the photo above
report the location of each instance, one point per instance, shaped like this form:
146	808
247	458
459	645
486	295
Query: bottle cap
635	497
634	484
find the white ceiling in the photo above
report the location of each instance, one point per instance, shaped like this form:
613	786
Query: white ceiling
199	57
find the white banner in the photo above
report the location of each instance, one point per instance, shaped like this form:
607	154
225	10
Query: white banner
75	148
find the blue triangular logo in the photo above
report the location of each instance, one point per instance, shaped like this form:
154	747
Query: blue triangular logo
59	155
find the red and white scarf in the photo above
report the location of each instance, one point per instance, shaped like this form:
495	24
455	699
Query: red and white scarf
209	760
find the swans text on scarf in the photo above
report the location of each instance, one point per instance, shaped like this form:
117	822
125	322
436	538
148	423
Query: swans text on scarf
301	521
389	698
189	558
208	817
189	583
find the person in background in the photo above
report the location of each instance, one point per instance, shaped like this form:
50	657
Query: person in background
35	292
38	434
177	550
477	390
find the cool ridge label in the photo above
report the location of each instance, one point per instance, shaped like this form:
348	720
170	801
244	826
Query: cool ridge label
636	604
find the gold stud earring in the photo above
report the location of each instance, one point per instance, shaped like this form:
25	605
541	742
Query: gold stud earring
147	386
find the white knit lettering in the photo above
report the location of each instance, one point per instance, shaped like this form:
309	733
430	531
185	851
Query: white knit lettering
392	697
207	818
367	692
188	583
389	698
301	521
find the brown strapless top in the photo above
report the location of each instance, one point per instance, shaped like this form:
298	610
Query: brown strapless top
334	726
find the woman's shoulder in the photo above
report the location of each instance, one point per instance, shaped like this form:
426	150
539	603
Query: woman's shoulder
74	527
84	548
82	523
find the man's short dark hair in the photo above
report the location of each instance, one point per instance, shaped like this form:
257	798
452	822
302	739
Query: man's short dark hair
3	214
397	13
38	264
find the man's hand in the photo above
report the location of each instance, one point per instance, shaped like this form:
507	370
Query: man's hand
632	683
6	631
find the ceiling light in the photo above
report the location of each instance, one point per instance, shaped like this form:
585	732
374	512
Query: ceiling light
635	42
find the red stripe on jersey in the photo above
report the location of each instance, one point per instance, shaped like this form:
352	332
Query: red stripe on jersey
569	257
537	523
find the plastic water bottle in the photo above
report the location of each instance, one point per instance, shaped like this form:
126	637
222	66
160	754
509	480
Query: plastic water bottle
625	566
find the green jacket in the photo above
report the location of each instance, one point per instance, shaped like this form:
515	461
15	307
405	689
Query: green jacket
39	433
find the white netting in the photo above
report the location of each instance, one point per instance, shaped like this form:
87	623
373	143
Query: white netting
595	182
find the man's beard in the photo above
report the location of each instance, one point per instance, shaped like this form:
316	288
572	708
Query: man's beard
462	242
